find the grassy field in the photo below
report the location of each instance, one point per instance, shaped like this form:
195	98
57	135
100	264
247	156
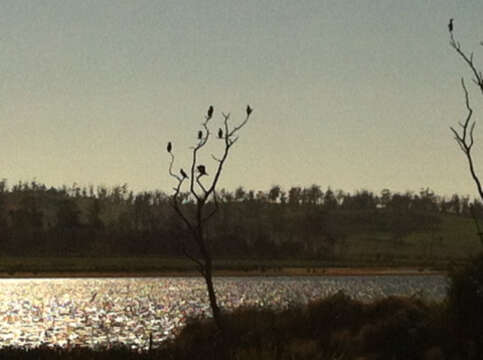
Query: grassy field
11	266
455	242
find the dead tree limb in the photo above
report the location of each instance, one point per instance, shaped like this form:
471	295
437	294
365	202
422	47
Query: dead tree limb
468	59
464	138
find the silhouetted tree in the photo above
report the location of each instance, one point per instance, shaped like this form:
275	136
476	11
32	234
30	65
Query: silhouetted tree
94	215
202	194
330	201
274	193
295	196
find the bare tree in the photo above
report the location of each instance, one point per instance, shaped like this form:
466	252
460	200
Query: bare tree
203	191
464	135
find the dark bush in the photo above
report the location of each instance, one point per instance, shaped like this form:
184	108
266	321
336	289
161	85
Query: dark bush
395	328
338	311
465	304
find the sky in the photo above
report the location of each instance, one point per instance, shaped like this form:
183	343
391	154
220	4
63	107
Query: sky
348	94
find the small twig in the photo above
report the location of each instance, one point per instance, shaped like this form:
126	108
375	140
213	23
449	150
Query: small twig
215	158
237	128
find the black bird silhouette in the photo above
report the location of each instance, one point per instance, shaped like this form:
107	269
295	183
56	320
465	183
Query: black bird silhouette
169	147
200	134
220	133
183	174
450	25
202	169
210	111
249	110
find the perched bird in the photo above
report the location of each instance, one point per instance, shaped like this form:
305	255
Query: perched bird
220	133
183	174
210	112
169	147
200	134
202	169
450	25
249	110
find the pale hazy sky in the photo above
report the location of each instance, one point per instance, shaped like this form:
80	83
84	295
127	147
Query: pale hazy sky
352	94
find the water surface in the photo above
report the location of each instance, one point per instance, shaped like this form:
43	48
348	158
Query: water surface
101	312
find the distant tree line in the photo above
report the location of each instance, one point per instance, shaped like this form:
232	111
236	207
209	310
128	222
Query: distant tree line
303	222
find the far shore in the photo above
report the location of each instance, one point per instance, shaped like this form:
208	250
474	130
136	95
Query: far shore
287	271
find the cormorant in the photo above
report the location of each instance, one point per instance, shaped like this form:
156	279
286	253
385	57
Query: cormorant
183	174
450	25
210	111
200	135
202	169
220	133
249	110
169	147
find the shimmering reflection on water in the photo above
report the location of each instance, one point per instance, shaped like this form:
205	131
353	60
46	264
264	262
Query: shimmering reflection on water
103	312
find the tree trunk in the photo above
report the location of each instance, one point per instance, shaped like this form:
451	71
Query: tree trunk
208	272
212	296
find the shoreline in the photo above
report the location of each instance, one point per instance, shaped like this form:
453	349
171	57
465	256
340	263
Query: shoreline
289	271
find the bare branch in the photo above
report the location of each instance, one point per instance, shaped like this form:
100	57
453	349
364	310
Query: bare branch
478	78
171	168
202	143
215	158
465	139
175	204
472	140
200	184
177	190
214	211
229	141
237	128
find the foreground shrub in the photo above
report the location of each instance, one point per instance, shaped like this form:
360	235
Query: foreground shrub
465	306
396	328
337	327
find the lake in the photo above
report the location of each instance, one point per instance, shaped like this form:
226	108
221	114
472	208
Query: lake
99	312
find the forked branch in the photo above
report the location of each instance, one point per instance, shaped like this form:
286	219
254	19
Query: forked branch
468	59
464	138
177	189
230	138
203	139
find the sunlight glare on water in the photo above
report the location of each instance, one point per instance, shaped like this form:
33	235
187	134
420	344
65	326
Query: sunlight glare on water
103	312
